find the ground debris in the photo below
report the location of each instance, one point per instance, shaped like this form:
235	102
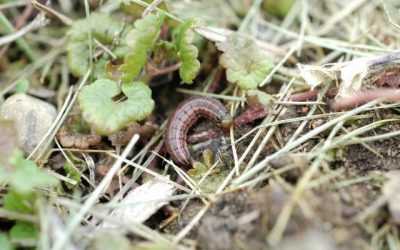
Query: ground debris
391	191
70	139
144	201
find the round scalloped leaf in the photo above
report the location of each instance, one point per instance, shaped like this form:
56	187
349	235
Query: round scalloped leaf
107	116
141	40
102	28
245	65
187	52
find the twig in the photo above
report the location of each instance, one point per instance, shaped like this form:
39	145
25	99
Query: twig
361	97
162	71
38	22
52	13
142	3
151	7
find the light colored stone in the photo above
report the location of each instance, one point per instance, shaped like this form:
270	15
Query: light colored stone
33	118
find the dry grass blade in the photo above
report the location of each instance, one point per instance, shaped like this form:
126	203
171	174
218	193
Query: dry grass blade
259	166
94	196
156	175
38	22
310	160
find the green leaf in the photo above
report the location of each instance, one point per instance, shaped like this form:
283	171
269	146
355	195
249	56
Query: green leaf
23	231
167	48
100	69
245	65
141	40
72	174
211	183
198	170
25	176
23	203
101	27
22	86
187	52
5	242
107	116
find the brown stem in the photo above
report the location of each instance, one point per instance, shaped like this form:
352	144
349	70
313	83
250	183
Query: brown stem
251	114
215	83
162	71
24	16
304	96
312	95
362	97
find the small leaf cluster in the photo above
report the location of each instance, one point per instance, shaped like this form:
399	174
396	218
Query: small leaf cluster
22	178
90	33
73	173
143	39
23	175
187	52
245	65
207	182
130	44
107	116
104	114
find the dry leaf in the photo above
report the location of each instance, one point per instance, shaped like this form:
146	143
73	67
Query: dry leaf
351	75
316	75
143	205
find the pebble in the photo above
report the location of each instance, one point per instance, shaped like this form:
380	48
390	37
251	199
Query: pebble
33	118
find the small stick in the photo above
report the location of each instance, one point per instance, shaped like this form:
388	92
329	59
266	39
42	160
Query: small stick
312	95
358	98
151	7
251	114
162	71
304	96
216	82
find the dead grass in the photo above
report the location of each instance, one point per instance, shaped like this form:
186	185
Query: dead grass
315	33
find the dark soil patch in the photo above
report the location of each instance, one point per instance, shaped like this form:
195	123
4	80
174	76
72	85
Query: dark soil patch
244	219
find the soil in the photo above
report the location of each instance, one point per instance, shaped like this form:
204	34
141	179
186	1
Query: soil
242	219
322	219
